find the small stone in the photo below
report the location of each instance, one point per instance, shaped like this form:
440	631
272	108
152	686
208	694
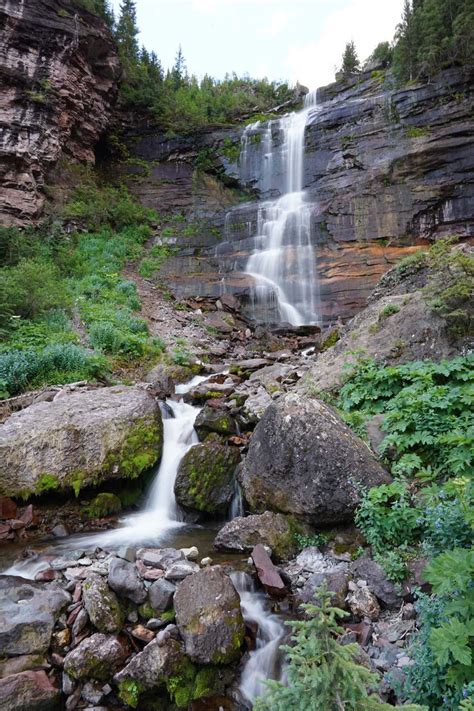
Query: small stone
67	684
161	594
80	622
405	661
132	616
181	570
102	605
45	576
155	623
408	611
84	561
191	553
161	558
144	634
363	603
206	562
92	692
124	580
60	531
62	639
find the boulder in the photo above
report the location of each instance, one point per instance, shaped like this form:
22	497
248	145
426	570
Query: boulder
211	420
125	581
98	657
378	583
209	618
270	529
29	691
28	613
82	438
304	460
149	669
161	594
205	480
102	605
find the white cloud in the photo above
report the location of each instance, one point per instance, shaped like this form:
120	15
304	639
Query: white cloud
313	64
277	23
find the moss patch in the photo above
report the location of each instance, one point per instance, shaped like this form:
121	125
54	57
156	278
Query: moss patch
104	504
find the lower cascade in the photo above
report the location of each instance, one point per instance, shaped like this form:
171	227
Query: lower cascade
283	263
265	661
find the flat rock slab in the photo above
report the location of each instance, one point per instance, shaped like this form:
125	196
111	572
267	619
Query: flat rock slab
28	612
267	573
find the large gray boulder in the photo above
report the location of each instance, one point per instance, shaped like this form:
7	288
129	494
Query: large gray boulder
28	613
82	438
209	618
304	460
205	480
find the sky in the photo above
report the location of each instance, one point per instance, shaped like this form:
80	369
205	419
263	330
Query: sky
281	39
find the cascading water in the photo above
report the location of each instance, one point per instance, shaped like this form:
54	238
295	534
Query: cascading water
283	261
265	661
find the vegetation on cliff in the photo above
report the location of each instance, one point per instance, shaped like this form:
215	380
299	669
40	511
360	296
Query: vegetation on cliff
65	304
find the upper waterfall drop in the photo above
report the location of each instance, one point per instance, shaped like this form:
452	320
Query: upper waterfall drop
283	262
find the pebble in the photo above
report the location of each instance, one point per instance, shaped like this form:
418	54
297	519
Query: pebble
191	553
206	561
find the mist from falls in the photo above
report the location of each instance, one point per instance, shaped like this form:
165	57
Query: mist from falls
282	263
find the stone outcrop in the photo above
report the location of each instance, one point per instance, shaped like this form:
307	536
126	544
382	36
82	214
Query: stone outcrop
81	438
386	169
58	83
303	460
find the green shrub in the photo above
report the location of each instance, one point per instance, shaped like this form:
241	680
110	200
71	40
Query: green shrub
32	287
23	369
427	408
387	517
321	672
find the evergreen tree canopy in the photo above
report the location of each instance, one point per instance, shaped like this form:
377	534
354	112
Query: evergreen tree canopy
126	33
350	61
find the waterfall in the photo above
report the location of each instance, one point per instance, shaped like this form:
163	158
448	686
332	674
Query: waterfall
282	262
265	661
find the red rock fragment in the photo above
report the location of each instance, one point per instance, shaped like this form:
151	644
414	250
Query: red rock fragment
267	573
8	508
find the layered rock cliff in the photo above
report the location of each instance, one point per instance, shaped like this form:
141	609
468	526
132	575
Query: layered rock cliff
58	82
386	169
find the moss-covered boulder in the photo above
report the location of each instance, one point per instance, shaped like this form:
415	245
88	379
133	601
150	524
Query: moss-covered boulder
82	438
211	420
102	605
98	657
205	480
209	618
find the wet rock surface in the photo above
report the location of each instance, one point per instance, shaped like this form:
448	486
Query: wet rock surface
270	529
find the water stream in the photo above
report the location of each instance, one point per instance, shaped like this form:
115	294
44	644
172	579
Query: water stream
159	523
283	262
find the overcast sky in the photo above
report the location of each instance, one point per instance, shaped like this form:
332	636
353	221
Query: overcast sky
280	39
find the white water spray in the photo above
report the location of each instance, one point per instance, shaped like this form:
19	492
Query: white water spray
283	260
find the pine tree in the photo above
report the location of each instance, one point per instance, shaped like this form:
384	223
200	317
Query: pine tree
404	56
179	71
321	672
126	35
350	61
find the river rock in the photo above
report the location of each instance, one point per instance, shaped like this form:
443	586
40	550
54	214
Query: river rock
205	480
209	618
362	602
161	594
336	582
28	691
161	558
81	438
98	657
270	529
267	573
149	669
124	580
181	569
384	590
102	604
211	420
304	460
28	613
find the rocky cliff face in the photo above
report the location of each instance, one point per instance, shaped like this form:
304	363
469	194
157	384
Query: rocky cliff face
385	170
58	83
